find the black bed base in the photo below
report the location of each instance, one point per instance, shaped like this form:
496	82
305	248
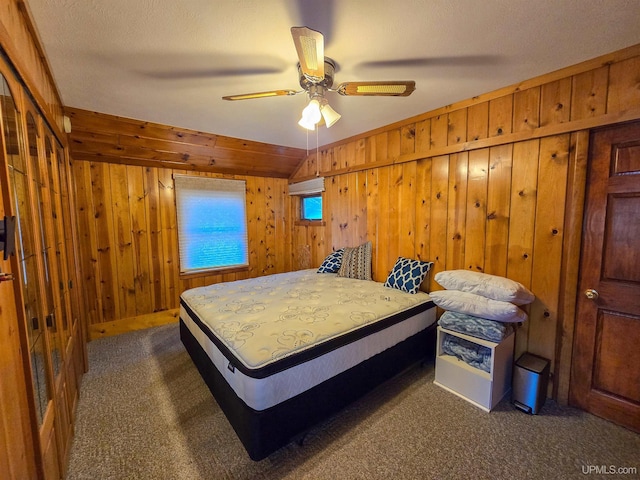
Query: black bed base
264	432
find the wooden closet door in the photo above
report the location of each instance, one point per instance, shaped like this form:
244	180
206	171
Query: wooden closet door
605	378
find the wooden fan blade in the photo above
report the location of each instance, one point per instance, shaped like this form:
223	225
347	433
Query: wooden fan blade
377	89
272	93
310	47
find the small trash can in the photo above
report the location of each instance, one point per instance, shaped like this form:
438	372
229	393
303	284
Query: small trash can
530	379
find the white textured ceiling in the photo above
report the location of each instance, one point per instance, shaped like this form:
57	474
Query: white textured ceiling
170	62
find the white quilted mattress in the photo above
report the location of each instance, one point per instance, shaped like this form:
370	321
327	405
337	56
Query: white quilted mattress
277	336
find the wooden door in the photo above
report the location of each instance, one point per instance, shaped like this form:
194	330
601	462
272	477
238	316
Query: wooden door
17	454
20	139
605	378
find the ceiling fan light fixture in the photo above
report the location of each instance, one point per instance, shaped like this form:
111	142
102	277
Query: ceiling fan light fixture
329	114
311	115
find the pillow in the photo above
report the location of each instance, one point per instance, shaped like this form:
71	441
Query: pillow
332	263
356	262
407	275
490	286
478	306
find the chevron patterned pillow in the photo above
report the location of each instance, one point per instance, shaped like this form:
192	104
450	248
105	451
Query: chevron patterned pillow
356	262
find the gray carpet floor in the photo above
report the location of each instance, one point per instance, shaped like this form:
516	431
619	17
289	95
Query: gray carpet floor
145	413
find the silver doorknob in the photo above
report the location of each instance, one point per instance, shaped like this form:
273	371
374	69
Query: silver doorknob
591	294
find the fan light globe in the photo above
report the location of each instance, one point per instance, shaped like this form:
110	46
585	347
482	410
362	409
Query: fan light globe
330	115
310	115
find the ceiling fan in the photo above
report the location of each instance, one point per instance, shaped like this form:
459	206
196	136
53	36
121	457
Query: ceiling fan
316	79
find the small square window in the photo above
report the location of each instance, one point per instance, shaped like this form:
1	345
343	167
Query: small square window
311	208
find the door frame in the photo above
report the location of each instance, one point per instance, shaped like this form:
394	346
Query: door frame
570	268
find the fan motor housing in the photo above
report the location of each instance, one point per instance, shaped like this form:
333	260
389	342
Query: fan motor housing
327	82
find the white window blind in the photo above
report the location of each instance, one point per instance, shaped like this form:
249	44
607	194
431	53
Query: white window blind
308	187
212	223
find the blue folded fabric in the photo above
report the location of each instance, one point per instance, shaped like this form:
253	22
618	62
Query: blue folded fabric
477	356
476	326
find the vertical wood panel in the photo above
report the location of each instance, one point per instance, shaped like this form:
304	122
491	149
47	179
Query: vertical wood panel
574	214
261	226
341	157
140	239
123	241
372	206
407	212
393	143
555	102
343	209
252	227
104	230
384	233
457	127
439	206
524	185
332	187
478	121
87	242
361	212
282	232
623	85
554	153
498	197
439	131
457	210
155	247
381	145
526	110
423	216
168	233
270	227
524	178
396	186
353	212
589	93
326	160
476	210
360	156
500	115
408	139
335	162
423	136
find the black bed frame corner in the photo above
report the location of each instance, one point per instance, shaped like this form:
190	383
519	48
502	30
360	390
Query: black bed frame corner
264	432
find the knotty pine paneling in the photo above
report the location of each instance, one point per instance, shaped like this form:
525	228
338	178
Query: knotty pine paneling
129	244
20	41
100	137
484	185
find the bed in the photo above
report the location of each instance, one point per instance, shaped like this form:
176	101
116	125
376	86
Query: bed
283	352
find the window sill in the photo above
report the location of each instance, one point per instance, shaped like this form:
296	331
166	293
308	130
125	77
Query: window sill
213	271
310	223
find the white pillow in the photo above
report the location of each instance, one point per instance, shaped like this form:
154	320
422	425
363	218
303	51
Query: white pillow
490	286
478	306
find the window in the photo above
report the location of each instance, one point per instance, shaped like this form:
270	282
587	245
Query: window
212	223
310	194
311	207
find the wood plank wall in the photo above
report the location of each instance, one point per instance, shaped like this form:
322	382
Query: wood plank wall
487	185
129	245
108	138
20	41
